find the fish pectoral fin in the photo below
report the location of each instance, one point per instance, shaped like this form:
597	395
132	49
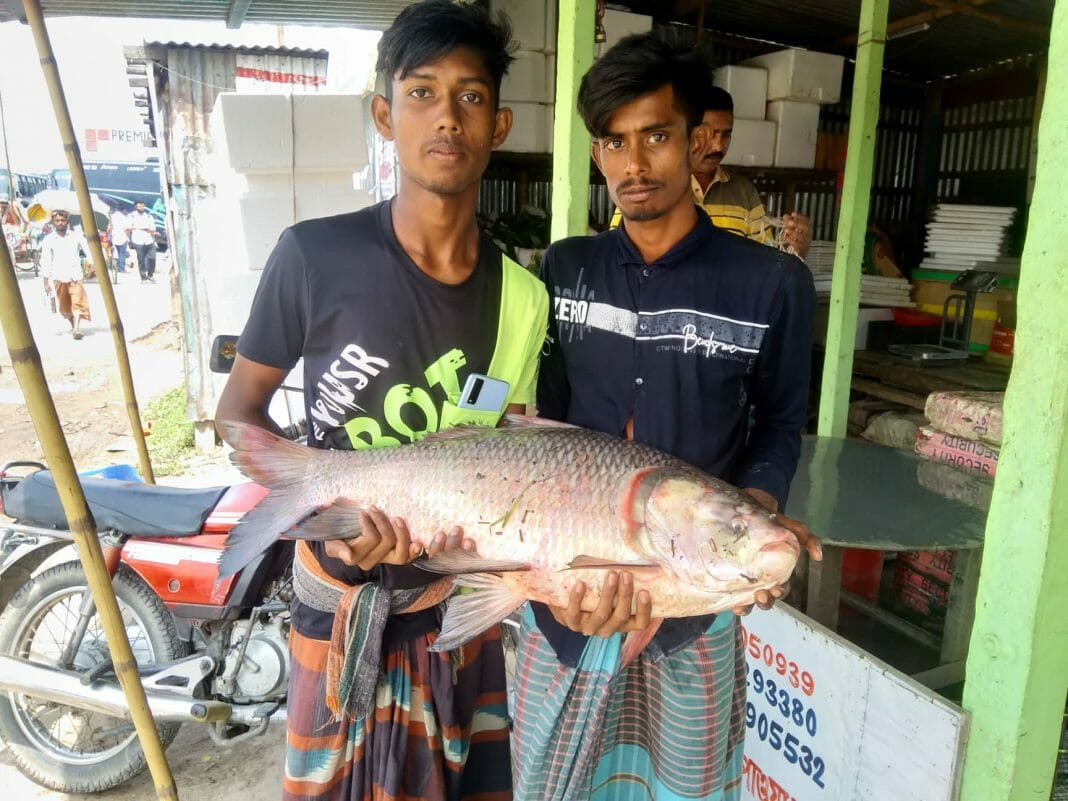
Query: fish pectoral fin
469	614
583	562
339	521
458	561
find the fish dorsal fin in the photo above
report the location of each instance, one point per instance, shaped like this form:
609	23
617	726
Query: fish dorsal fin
512	421
526	421
583	562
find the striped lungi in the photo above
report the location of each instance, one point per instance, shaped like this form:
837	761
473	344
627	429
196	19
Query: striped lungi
438	730
666	730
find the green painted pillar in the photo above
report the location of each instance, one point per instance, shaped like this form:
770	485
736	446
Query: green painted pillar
853	219
571	142
1017	670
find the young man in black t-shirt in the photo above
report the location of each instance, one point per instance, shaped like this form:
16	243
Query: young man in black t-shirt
391	308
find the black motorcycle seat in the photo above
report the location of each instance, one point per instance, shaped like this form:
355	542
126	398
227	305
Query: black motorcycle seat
130	507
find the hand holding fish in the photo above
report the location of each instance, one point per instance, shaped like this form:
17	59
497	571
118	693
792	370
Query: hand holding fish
614	609
388	541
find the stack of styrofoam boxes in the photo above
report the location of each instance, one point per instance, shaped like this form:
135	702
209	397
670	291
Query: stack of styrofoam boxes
530	85
753	142
618	24
281	159
798	82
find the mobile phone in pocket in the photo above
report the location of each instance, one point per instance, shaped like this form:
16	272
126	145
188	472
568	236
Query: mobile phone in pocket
484	394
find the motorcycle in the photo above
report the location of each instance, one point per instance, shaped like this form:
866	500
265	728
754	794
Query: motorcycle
209	651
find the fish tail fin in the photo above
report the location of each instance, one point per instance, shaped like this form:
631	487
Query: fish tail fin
469	614
282	466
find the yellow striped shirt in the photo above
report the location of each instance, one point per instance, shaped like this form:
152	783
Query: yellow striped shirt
732	203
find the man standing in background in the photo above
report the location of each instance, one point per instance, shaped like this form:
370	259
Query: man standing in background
142	230
731	200
61	267
118	222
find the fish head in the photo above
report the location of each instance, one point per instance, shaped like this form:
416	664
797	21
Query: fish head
712	536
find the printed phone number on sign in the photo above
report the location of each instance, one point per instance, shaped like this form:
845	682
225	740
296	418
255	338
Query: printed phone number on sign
765	652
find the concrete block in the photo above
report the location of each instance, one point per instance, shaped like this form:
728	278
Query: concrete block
801	75
330	132
753	143
795	140
748	87
528	20
527	79
254	132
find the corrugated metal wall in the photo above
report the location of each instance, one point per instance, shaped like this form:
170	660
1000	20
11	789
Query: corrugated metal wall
185	82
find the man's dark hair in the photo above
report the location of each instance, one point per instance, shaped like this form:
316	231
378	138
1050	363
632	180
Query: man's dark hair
637	65
428	31
719	99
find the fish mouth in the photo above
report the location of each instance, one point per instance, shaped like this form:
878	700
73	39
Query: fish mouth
787	544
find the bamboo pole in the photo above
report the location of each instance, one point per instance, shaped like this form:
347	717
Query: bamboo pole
26	361
50	69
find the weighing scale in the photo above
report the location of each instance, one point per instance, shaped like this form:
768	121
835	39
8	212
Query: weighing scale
958	311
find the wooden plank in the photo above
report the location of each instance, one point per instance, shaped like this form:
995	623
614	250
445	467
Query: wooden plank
960	612
1017	670
877	390
853	219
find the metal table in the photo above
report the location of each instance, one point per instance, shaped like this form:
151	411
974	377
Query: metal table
855	494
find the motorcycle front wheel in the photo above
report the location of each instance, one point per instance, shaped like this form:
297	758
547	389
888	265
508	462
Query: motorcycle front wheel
62	747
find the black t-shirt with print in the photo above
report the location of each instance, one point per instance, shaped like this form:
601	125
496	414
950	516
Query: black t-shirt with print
385	348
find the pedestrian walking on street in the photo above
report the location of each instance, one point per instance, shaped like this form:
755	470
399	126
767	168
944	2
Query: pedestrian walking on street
61	267
118	223
142	230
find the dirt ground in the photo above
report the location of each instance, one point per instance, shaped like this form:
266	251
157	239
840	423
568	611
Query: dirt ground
88	398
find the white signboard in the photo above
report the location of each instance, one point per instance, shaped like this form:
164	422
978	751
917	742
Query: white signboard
826	721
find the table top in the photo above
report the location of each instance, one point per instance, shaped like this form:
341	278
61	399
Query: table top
857	494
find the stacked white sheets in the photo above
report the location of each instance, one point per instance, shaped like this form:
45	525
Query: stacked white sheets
961	237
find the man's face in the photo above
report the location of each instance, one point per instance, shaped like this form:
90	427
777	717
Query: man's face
60	222
443	122
720	127
644	156
139	207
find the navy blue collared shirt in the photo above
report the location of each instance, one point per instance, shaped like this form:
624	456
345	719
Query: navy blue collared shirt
708	349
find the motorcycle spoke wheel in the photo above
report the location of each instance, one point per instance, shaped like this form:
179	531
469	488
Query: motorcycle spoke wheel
70	734
68	748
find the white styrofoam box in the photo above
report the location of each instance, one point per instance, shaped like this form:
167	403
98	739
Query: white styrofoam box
326	204
748	88
323	182
618	24
530	131
795	141
528	20
801	75
329	132
527	79
254	132
262	218
753	143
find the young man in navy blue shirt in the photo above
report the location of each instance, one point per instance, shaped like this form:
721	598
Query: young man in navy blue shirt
674	333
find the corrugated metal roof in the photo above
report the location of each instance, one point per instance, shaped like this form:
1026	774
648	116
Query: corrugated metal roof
374	14
953	43
250	50
950	44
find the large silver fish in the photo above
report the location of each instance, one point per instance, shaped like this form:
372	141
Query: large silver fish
547	504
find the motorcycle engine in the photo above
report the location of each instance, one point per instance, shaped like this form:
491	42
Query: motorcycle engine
259	670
